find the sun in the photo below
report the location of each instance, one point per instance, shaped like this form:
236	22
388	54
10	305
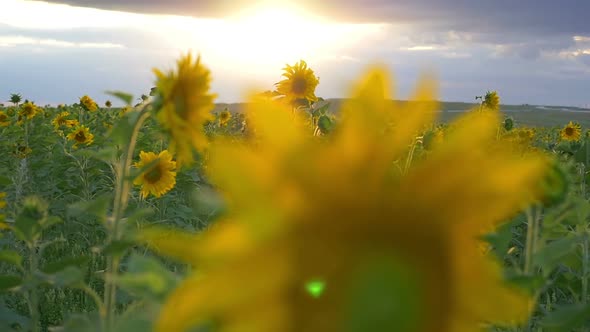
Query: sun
268	35
269	32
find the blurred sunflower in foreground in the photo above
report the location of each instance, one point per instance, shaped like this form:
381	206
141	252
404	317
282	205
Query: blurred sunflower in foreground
329	236
299	83
571	132
88	104
185	106
81	135
160	176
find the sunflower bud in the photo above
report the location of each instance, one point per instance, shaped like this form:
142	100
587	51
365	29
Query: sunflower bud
554	186
508	124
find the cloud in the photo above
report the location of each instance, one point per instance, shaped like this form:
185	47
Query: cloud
546	16
12	41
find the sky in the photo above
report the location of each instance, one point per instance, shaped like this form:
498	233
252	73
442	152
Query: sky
530	51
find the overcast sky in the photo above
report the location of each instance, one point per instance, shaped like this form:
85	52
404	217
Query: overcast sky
530	51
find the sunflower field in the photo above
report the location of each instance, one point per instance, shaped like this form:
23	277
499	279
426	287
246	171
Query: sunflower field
173	214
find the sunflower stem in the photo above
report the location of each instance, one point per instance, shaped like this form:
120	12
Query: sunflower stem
122	188
32	297
585	271
530	240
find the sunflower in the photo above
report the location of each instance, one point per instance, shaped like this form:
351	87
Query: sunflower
88	103
81	135
2	200
300	83
61	120
571	132
124	110
4	119
186	106
28	111
160	177
2	205
491	101
108	104
387	251
21	151
224	117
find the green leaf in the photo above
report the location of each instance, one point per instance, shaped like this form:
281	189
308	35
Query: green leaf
107	154
529	283
117	248
50	221
97	207
79	323
500	239
124	97
325	124
69	276
61	265
552	254
147	278
5	181
567	317
123	129
8	282
11	321
11	257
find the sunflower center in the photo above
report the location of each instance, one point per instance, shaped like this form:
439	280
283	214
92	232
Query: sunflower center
80	137
3	117
299	85
153	175
569	131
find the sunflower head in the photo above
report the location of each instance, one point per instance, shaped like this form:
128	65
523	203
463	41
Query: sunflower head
508	124
108	104
185	105
491	101
60	120
88	103
571	132
2	205
159	177
81	135
224	117
300	83
4	119
2	200
339	212
21	150
28	111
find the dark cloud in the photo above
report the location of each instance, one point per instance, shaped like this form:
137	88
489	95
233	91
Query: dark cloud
533	16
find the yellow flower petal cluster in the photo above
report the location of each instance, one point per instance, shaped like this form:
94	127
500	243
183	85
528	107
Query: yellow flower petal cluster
160	177
88	104
2	205
300	82
81	135
393	251
27	111
491	101
4	119
186	106
224	118
571	132
61	120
